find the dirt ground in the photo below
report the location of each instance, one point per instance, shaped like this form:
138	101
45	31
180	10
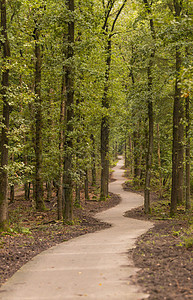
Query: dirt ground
32	232
163	254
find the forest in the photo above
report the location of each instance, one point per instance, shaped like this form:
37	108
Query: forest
82	81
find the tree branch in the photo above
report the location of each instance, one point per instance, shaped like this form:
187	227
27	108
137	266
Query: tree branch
116	18
109	8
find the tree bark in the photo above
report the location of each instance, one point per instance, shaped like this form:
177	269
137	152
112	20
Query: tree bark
12	193
150	115
4	133
27	190
188	200
150	150
137	169
68	182
86	190
93	160
159	163
105	130
178	130
38	122
62	124
49	191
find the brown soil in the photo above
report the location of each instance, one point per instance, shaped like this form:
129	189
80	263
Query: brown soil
162	254
32	232
166	265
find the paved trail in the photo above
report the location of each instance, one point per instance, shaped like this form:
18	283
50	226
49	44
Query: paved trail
93	266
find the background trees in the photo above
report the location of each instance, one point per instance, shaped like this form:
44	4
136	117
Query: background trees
81	84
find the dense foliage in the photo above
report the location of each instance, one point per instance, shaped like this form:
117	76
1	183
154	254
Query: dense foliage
70	68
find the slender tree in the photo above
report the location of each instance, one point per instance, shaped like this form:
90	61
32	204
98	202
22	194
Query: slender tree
150	113
105	129
6	111
93	154
178	127
38	118
188	199
60	198
68	148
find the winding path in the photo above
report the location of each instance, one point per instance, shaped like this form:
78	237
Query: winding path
93	266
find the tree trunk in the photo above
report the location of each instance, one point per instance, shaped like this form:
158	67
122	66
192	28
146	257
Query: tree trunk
150	117
12	187
4	133
188	200
177	157
86	190
104	158
12	193
60	196
93	161
68	182
149	156
105	131
178	130
126	155
180	168
38	122
137	154
27	190
49	191
159	163
105	100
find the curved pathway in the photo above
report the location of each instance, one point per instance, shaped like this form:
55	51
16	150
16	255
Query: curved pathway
93	266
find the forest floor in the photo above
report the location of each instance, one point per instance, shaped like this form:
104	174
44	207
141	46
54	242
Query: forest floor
32	232
165	253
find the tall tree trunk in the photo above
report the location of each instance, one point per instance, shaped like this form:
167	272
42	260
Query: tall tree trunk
105	100
105	130
180	177
188	200
178	130
4	133
150	116
150	149
38	122
60	196
68	182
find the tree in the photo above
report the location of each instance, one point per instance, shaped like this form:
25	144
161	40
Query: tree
108	33
150	114
68	147
6	111
178	126
38	116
